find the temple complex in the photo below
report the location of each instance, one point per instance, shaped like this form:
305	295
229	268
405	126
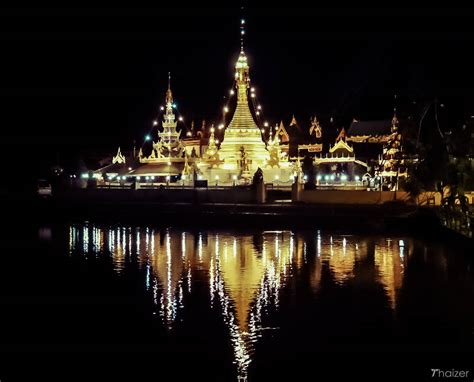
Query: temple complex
369	150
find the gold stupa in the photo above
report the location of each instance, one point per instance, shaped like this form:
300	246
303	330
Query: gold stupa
242	134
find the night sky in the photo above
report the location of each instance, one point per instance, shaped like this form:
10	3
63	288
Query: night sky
76	81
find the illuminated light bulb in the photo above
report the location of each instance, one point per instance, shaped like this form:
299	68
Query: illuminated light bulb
169	163
183	177
221	126
265	124
217	141
147	138
305	178
138	178
333	177
152	177
277	177
326	177
180	118
252	95
162	108
232	92
343	177
129	169
242	21
259	107
155	123
258	113
226	109
167	177
234	177
217	177
357	178
263	130
252	89
188	134
242	32
212	129
174	105
318	177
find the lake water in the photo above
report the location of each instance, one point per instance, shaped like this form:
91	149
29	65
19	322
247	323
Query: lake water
235	305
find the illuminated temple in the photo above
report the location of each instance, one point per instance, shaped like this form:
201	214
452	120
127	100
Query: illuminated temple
243	149
174	153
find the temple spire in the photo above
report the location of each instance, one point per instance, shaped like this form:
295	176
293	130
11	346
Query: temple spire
169	94
242	30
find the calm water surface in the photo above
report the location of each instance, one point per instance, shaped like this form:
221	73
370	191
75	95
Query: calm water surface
240	305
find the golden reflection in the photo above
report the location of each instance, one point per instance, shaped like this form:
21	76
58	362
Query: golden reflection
389	260
245	273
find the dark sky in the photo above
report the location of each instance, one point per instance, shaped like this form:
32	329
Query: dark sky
76	80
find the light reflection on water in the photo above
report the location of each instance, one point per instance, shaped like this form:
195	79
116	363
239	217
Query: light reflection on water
246	272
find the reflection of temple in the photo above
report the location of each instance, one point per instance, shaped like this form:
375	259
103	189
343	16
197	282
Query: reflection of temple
245	273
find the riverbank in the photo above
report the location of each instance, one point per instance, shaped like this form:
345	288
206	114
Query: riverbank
373	217
391	217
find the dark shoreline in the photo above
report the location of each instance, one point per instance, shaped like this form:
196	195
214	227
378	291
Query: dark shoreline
382	219
387	218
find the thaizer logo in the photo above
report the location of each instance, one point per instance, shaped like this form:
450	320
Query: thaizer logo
451	374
